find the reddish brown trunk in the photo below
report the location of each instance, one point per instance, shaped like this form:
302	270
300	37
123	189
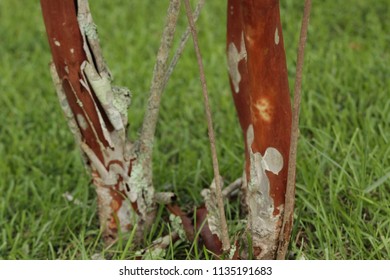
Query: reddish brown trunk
102	145
258	78
66	46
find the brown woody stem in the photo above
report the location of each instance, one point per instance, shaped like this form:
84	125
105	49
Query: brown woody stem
285	233
183	41
157	85
218	183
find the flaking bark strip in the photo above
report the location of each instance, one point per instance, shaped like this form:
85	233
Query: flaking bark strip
91	42
213	215
211	241
115	177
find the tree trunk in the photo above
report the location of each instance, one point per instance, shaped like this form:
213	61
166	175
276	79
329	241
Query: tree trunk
259	82
96	112
97	115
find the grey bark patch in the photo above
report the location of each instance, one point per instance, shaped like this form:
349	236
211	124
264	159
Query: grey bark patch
276	37
177	226
57	43
213	216
273	160
234	58
82	122
262	223
104	92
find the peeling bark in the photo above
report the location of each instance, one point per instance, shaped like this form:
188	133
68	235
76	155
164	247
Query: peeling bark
258	79
207	220
210	235
213	216
201	224
96	112
97	116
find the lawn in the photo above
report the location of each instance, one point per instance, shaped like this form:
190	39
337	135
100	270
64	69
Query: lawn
47	204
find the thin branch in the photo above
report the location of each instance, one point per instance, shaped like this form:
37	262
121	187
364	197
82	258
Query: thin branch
157	85
290	191
183	41
232	189
218	183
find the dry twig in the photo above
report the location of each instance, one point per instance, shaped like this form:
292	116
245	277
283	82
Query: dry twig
183	41
218	183
158	81
290	191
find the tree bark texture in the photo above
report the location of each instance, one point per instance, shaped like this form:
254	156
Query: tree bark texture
97	115
259	83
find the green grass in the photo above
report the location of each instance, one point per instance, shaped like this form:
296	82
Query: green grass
343	172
